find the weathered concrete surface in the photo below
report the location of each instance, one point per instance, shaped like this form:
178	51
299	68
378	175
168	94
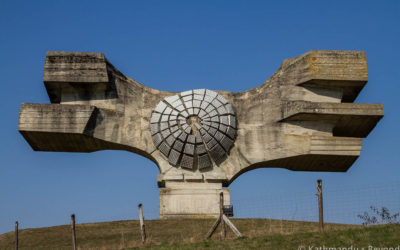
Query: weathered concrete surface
190	199
300	119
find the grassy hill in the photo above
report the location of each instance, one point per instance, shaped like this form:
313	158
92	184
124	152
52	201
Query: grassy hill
188	234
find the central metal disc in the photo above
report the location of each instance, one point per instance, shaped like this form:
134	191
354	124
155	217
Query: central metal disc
195	128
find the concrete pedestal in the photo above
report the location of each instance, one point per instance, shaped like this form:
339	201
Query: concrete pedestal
191	200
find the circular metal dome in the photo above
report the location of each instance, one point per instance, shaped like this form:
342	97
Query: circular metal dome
195	128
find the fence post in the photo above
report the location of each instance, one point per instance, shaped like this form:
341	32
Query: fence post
224	220
230	224
16	235
73	231
221	213
142	227
320	205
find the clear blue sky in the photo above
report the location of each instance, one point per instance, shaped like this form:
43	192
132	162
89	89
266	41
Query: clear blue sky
176	46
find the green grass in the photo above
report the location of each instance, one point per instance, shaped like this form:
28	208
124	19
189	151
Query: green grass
376	236
189	233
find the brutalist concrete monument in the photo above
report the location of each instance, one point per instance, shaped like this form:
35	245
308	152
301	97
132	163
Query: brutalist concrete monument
301	119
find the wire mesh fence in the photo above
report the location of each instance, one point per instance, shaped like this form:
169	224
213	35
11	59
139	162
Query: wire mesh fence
341	204
285	212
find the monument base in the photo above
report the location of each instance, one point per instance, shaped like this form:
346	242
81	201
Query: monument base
191	200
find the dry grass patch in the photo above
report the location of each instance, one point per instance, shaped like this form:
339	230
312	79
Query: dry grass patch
126	234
